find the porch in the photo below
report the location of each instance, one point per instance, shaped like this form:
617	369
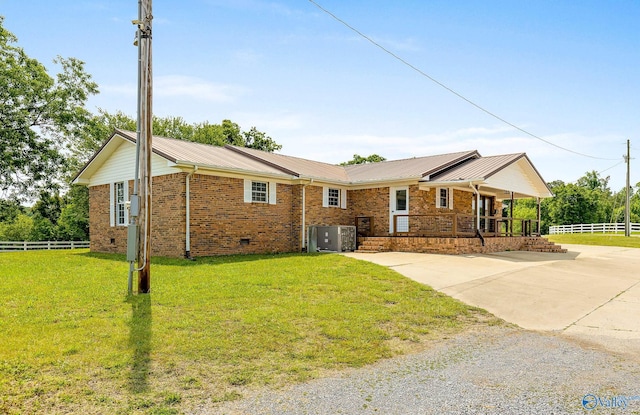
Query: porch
451	225
454	234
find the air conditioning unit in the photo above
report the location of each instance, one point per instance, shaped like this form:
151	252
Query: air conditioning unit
331	238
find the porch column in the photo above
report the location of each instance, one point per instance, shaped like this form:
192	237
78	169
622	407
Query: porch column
511	214
539	216
478	208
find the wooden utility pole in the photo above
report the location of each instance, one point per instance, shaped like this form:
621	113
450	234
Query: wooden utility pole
627	207
145	128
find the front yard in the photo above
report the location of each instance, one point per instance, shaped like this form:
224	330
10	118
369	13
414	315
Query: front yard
211	329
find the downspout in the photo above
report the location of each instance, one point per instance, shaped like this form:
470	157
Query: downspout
304	202
187	243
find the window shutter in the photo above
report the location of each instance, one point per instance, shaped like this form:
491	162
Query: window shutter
247	191
112	205
450	191
325	197
272	193
438	197
343	198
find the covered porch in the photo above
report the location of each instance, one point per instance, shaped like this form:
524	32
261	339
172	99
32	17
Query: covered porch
472	211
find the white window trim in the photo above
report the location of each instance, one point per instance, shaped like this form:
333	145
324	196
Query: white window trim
113	212
271	192
449	196
342	197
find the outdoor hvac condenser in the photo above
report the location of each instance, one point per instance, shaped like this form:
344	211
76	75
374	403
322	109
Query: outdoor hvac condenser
332	238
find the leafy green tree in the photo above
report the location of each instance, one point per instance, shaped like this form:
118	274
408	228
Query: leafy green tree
10	209
73	223
36	110
358	159
259	140
84	140
20	229
88	138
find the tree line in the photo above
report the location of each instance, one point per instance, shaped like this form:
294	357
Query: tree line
588	200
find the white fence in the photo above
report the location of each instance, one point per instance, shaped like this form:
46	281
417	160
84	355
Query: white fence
592	228
42	245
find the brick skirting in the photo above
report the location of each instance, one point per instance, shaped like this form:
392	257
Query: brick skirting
456	246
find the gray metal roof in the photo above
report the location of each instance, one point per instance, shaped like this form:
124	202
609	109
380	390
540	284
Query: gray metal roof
464	165
479	168
413	168
204	155
295	165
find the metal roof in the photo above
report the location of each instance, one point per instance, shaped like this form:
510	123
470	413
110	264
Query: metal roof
479	168
295	165
451	167
413	168
204	155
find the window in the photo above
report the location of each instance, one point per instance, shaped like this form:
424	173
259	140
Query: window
401	200
443	198
259	192
120	203
118	214
334	197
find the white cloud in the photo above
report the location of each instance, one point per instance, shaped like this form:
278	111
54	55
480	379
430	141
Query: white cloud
180	86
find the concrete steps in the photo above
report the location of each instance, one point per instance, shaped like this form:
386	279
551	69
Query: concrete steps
374	244
538	244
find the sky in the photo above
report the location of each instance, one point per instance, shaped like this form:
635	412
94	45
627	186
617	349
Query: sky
564	71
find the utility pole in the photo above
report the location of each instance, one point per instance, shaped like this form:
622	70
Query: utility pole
145	100
627	207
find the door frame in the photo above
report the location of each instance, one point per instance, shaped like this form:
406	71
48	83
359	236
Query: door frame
393	204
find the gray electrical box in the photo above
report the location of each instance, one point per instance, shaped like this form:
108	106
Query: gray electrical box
332	238
132	242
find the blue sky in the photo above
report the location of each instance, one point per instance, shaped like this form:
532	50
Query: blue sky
566	71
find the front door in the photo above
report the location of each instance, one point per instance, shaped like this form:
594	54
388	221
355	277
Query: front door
399	205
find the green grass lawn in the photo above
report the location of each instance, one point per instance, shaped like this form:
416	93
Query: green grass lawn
73	342
596	239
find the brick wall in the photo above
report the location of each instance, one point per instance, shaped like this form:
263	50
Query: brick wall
316	214
451	246
222	223
167	218
375	203
102	236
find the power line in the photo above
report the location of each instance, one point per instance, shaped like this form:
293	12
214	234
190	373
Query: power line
609	168
459	95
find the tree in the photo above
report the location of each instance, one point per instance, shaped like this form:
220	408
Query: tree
260	141
20	229
36	110
87	139
358	159
73	222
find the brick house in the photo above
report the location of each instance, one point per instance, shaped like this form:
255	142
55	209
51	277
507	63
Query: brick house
210	200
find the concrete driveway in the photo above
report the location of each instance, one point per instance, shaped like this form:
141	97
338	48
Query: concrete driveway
591	293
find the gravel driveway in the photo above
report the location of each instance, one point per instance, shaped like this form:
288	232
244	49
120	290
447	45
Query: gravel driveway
491	370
